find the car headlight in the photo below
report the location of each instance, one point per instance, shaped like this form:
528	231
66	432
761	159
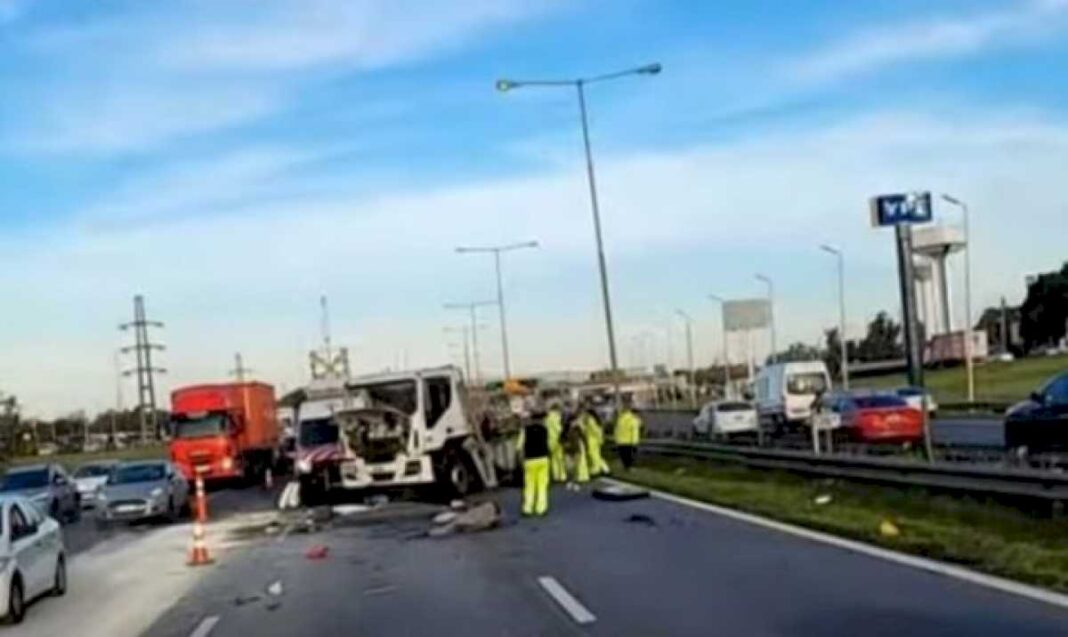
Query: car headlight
304	465
227	463
157	492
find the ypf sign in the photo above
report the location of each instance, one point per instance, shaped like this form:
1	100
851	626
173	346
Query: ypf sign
893	210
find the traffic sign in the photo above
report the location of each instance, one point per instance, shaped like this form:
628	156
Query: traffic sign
891	210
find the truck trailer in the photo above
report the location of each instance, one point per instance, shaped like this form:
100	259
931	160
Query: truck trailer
229	429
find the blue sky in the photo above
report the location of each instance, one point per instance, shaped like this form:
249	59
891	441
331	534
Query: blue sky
234	160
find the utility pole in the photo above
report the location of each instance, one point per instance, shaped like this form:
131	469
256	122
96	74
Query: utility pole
240	372
689	355
472	308
142	349
771	315
465	335
841	313
325	363
726	355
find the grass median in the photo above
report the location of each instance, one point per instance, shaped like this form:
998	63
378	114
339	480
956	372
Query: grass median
985	536
72	460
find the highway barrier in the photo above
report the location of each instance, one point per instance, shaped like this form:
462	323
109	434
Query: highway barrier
976	480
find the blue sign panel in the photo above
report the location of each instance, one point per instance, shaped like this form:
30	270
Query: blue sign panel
891	210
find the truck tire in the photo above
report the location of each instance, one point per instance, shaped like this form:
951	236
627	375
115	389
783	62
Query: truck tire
455	474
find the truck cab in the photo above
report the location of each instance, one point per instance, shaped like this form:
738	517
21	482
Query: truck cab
785	392
394	430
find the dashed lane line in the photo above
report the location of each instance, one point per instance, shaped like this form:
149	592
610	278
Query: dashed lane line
567	601
205	626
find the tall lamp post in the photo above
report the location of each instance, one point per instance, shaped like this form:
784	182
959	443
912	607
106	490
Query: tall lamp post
726	357
579	84
771	311
472	308
689	355
968	364
496	251
841	311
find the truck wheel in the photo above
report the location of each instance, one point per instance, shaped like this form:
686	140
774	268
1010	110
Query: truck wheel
455	475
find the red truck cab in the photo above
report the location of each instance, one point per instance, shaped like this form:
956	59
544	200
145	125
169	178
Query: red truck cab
231	429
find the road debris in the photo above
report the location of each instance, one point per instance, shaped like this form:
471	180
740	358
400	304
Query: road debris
640	518
481	517
290	496
349	509
317	552
822	499
887	528
275	588
619	493
380	590
243	600
457	505
445	517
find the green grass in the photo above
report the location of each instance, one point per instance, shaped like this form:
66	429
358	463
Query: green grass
994	382
985	536
72	460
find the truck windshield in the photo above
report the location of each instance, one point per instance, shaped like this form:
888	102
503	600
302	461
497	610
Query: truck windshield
210	425
805	384
317	431
399	394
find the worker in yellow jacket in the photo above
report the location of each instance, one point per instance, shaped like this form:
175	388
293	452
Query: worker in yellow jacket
628	434
554	424
574	444
591	429
533	443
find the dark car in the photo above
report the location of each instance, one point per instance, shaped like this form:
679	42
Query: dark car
48	486
1040	423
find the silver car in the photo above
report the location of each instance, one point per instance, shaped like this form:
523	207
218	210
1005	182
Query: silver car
46	485
90	478
143	490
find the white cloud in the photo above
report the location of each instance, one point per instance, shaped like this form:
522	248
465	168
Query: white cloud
872	49
677	225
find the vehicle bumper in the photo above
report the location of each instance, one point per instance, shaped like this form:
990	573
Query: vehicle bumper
88	499
358	474
131	512
215	471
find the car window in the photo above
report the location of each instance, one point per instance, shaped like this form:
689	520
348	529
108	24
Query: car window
733	406
438	399
20	525
137	473
871	402
1056	391
92	471
34	514
25	479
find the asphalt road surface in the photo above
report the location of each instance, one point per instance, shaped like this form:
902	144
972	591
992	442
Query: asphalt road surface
647	567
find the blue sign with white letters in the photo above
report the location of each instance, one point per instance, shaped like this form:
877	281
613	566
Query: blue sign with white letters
891	210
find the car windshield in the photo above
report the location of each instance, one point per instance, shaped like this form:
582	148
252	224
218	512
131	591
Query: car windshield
203	427
318	431
873	402
92	471
28	479
806	383
734	406
137	473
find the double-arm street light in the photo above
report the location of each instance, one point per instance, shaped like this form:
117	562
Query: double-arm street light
579	85
771	312
726	357
970	371
841	311
496	252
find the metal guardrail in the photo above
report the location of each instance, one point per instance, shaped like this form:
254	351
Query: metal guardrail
1050	486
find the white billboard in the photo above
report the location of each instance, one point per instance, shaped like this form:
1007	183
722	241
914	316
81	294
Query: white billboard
746	314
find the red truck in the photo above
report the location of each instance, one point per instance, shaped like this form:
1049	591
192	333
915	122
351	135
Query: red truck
231	428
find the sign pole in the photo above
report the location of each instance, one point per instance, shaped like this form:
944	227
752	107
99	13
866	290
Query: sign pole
913	345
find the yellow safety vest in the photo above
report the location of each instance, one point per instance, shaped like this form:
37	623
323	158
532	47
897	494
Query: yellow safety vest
628	428
555	425
592	429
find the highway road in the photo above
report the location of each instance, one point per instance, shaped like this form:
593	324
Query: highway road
956	431
648	567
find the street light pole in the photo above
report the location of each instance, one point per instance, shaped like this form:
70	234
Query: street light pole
689	356
580	84
726	357
771	312
968	364
841	312
472	308
496	251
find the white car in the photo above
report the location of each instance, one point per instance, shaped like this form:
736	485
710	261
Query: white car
32	557
726	417
90	478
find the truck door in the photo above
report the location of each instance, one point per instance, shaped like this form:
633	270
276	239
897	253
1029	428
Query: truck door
439	410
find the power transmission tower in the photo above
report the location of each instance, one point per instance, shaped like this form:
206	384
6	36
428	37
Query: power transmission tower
328	363
142	349
240	372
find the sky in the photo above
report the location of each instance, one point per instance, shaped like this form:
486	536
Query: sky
233	160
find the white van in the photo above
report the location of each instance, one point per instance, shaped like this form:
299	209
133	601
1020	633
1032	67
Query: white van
784	392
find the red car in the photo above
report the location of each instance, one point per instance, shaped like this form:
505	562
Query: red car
878	418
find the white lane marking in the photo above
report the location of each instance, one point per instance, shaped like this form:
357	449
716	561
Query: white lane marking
922	563
205	626
578	612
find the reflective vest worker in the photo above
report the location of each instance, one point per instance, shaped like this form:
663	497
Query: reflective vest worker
628	434
574	443
555	426
534	445
591	428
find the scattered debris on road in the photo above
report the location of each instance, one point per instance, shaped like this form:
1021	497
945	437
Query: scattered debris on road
349	509
290	496
246	599
822	499
317	552
445	517
619	493
481	517
275	588
640	518
887	528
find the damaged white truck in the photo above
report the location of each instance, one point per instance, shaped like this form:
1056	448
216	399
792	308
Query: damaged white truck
404	429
